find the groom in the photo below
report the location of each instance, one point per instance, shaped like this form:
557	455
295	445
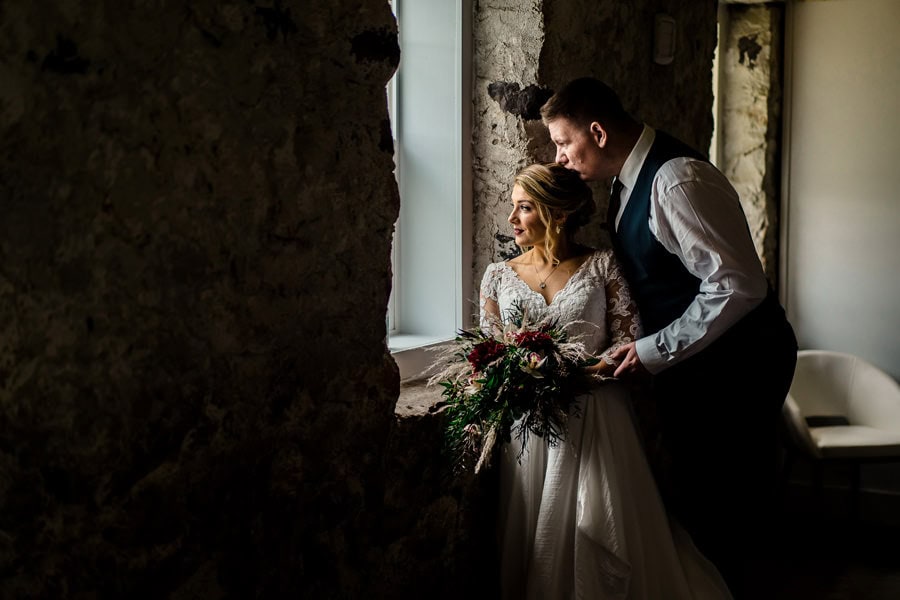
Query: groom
717	345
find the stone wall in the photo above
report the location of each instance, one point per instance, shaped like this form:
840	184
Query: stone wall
508	40
533	48
439	528
197	205
750	85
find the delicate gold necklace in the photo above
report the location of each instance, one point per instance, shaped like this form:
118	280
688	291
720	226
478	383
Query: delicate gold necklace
543	284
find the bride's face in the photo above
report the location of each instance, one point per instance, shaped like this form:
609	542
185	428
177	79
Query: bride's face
525	219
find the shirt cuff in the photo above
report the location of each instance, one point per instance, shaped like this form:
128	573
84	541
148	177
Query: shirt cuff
651	356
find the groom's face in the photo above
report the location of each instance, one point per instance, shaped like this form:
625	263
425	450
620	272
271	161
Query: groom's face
580	148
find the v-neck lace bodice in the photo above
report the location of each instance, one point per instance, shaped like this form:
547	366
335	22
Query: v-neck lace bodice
593	305
574	275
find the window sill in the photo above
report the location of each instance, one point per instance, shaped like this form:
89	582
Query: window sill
418	400
414	353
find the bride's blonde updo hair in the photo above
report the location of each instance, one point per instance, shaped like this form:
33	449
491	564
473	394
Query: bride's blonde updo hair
557	191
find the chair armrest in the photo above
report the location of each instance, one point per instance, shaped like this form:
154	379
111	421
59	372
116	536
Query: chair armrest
797	428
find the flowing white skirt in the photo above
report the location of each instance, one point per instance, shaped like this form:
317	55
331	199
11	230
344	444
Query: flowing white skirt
584	519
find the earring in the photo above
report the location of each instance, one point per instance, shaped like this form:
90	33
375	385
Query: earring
558	229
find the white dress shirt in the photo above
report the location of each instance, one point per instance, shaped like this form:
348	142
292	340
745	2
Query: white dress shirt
696	215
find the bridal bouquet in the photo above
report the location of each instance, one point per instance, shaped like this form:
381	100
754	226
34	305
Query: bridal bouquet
517	378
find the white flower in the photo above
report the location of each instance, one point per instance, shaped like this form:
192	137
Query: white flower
533	364
474	385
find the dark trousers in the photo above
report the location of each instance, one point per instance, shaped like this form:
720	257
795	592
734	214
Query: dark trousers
719	413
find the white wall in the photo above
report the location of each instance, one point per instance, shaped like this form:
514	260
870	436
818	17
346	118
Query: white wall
842	250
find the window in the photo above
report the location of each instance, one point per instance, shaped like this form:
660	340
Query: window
431	117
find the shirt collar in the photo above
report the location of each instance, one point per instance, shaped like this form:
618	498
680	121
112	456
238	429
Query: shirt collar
632	167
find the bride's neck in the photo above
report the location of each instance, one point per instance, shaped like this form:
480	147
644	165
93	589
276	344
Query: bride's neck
563	250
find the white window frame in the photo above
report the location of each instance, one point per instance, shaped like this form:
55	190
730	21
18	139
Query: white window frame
391	317
431	297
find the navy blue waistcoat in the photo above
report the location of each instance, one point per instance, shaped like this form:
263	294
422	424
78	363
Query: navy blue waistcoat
660	284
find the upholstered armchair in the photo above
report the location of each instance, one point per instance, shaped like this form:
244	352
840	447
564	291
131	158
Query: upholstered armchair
841	408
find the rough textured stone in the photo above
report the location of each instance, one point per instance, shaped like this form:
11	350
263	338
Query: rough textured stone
194	390
751	92
439	529
522	103
508	41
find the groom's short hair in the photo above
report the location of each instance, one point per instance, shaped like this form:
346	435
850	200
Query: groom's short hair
583	101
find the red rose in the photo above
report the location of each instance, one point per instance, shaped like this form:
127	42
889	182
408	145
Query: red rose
533	340
484	353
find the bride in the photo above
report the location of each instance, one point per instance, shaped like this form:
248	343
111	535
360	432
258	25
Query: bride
581	519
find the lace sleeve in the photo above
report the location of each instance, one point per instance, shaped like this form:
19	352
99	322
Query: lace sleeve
622	319
489	309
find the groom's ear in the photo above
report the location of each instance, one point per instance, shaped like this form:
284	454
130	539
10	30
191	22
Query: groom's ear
598	134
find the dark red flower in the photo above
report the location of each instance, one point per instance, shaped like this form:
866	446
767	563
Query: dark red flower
533	340
484	353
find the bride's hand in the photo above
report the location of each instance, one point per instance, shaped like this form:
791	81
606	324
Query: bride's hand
601	370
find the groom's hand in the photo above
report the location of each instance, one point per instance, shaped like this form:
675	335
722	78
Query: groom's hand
630	364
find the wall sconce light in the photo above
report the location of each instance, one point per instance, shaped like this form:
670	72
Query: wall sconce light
663	39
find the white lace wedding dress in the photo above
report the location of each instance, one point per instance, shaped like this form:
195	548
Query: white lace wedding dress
584	519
